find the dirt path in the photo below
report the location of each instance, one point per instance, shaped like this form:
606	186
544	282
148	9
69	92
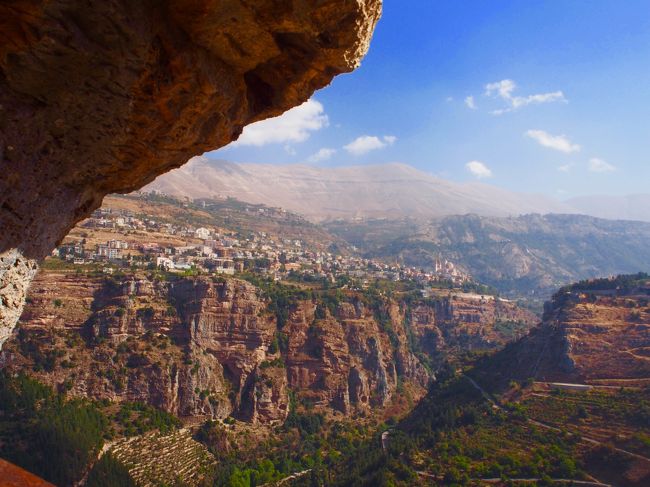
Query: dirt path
293	476
589	483
107	446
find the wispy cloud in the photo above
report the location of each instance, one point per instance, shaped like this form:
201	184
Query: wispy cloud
598	165
322	155
295	125
565	167
366	143
479	169
504	90
470	103
557	142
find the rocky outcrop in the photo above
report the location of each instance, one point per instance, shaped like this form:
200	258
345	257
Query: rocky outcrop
13	475
455	323
16	272
586	337
101	97
210	348
346	359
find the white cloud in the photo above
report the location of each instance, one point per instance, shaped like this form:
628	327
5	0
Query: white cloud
294	125
322	155
565	167
503	89
470	103
478	169
366	143
598	165
557	142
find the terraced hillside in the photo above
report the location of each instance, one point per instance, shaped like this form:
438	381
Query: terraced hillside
155	458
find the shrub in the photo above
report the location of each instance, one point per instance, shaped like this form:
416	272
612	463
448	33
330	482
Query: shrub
109	472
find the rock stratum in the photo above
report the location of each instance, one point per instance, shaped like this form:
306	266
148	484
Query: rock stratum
590	334
103	97
210	348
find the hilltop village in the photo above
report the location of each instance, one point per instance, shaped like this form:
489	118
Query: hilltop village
141	240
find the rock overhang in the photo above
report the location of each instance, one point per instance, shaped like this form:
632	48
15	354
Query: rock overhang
101	97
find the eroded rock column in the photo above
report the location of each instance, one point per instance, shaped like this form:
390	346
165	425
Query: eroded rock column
101	97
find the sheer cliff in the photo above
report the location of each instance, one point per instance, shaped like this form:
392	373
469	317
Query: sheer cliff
204	347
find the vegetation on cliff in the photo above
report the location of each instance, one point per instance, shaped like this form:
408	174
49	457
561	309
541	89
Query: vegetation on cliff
59	438
499	419
46	434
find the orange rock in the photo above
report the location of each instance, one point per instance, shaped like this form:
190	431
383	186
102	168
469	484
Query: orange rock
14	476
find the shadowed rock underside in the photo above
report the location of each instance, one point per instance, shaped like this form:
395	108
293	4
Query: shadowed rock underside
103	97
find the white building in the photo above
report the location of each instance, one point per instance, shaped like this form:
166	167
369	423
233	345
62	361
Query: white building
202	233
118	244
165	263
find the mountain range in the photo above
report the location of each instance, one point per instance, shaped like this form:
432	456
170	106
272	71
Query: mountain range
392	190
369	191
525	255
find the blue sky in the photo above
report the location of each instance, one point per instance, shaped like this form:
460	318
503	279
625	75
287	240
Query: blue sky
560	98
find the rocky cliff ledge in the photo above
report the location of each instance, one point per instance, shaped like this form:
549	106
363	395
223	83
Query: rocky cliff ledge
592	336
101	97
204	347
207	348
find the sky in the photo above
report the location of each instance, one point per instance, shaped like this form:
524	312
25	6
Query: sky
543	96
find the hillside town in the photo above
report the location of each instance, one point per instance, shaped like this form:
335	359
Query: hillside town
137	242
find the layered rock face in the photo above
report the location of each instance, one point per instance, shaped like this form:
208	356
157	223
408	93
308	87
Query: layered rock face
347	359
199	347
102	97
586	337
449	325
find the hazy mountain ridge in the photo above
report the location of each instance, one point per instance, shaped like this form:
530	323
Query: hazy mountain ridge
396	212
380	191
526	254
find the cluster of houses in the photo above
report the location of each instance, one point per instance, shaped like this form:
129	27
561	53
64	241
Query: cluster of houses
213	250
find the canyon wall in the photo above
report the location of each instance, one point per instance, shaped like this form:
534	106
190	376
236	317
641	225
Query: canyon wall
211	348
453	324
102	97
590	337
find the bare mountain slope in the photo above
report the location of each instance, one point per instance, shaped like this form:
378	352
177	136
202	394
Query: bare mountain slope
387	190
